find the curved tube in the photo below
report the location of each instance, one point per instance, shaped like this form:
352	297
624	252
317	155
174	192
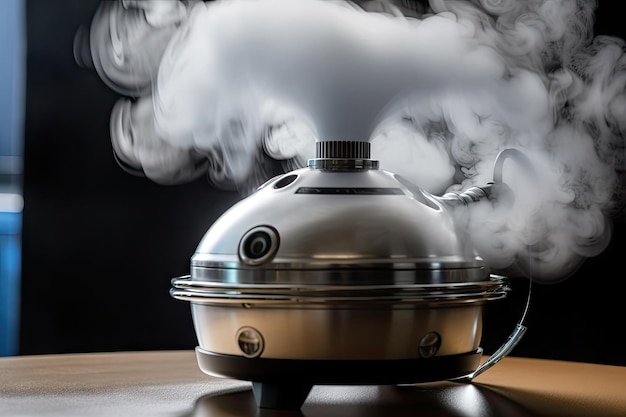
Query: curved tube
508	153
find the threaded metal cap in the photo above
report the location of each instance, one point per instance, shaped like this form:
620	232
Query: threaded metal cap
345	149
337	155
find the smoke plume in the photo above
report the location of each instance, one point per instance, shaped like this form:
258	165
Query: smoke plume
229	89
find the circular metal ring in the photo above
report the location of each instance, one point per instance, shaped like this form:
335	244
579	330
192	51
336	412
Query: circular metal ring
258	245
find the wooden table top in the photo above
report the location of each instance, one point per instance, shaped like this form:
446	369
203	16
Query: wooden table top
169	383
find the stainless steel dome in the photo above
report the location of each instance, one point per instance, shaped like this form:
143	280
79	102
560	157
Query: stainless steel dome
338	215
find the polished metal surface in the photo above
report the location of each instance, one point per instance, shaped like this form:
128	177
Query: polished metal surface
357	274
432	294
341	230
326	332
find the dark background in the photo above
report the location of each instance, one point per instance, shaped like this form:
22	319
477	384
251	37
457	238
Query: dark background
100	245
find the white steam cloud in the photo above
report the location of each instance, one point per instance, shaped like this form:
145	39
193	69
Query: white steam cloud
230	88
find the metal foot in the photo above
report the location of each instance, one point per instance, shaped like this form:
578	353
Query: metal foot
280	396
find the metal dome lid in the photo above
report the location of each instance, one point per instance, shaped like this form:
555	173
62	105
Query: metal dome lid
340	221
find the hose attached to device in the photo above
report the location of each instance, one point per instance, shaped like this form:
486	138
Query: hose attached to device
520	329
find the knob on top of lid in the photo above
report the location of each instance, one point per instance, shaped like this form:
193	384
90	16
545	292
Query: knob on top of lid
342	150
342	156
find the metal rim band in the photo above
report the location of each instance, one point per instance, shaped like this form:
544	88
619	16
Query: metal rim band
434	294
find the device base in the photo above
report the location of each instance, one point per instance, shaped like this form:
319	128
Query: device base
285	383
